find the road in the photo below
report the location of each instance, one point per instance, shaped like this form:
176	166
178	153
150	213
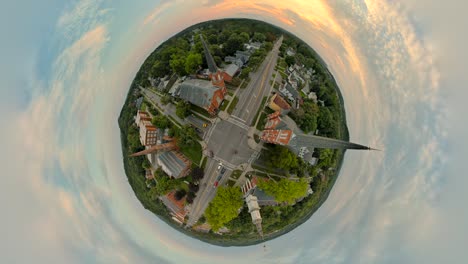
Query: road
228	139
207	191
251	97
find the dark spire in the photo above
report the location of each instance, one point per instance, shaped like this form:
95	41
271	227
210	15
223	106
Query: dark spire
209	59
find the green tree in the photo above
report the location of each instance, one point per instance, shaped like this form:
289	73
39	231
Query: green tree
177	64
325	122
163	186
160	121
186	136
233	43
146	164
193	61
213	39
183	109
224	207
245	37
245	73
165	99
258	37
290	60
268	46
282	158
284	190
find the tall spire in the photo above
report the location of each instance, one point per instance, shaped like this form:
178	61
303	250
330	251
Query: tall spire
209	59
254	210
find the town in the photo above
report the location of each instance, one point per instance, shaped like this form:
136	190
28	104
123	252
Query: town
251	137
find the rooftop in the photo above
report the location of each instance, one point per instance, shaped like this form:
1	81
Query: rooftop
281	137
196	91
174	162
279	101
231	69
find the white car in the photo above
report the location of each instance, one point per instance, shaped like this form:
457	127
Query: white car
220	165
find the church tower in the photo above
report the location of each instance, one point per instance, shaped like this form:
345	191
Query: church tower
217	76
254	210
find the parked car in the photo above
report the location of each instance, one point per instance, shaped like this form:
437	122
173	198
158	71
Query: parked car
220	165
216	183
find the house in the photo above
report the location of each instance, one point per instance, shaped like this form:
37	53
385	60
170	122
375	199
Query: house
240	59
176	207
312	96
149	175
174	164
252	46
138	102
273	120
277	103
230	71
290	52
289	92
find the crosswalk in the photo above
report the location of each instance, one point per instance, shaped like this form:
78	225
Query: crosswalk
238	122
253	157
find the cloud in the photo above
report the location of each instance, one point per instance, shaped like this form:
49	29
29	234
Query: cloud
65	178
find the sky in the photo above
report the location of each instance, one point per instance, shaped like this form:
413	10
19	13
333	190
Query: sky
66	68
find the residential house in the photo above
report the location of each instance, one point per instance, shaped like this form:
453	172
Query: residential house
176	207
277	103
230	71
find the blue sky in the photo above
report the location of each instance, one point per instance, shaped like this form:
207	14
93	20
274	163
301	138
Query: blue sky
67	66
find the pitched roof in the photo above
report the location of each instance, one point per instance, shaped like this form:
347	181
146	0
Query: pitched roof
281	137
231	69
171	202
174	162
279	101
197	92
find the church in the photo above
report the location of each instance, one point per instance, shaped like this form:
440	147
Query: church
205	94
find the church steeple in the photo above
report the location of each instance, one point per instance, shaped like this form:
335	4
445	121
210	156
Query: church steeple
209	59
217	76
254	210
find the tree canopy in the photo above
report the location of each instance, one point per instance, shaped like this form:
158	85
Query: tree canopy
183	109
160	121
224	207
193	61
306	116
282	158
258	37
284	190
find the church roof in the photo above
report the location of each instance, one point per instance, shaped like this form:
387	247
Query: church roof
197	92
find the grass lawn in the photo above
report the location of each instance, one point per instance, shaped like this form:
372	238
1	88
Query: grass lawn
262	121
224	105
200	110
230	183
233	104
256	138
193	153
236	174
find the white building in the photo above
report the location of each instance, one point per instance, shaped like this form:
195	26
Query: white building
254	210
